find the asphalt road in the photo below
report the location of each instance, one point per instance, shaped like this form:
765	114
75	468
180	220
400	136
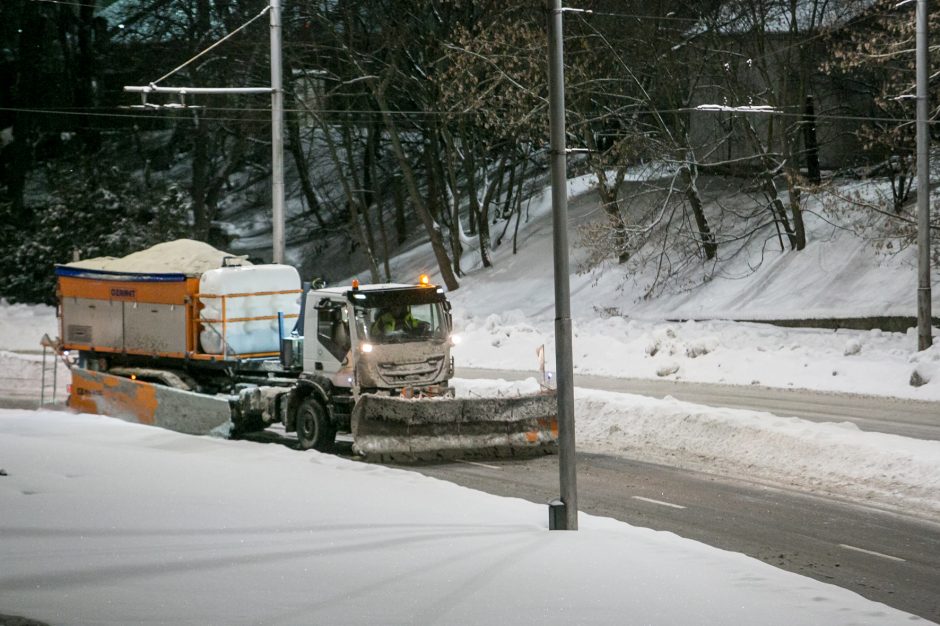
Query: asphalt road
883	556
909	418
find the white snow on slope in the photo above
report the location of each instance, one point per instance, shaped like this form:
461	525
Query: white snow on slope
109	522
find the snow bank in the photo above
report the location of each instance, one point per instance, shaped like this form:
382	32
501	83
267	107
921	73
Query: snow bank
110	522
23	325
848	361
897	473
889	471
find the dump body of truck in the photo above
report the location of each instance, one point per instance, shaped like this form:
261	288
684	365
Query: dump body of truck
239	348
118	313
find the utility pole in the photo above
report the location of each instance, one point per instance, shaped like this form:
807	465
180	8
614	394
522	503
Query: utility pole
277	136
277	114
924	339
563	348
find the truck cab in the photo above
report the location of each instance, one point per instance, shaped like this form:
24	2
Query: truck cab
390	339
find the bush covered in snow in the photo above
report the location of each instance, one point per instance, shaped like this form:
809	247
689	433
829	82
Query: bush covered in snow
107	214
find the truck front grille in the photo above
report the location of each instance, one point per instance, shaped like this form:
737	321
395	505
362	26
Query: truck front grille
400	374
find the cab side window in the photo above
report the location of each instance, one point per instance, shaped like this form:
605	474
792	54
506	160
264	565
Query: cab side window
332	330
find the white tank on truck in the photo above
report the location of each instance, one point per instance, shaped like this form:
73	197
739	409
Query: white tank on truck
186	337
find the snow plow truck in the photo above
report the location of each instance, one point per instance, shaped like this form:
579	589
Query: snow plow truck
184	337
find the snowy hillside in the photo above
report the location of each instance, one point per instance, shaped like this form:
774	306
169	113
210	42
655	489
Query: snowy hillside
506	312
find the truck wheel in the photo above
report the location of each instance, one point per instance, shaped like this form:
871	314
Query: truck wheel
313	426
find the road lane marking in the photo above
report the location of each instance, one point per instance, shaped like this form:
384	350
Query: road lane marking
873	553
493	467
659	502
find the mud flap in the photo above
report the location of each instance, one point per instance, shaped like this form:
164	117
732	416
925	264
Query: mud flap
386	428
147	403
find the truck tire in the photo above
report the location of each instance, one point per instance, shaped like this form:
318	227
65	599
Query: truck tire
314	429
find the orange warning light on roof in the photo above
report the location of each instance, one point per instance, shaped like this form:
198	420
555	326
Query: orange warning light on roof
355	283
424	280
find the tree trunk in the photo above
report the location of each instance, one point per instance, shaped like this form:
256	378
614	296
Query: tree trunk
610	200
433	230
794	180
705	236
519	196
401	223
797	212
370	180
200	176
295	148
769	186
470	172
355	224
360	197
455	244
484	218
27	94
85	75
811	142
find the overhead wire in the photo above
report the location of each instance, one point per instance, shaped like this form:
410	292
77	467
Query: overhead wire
821	32
71	3
370	114
366	116
214	45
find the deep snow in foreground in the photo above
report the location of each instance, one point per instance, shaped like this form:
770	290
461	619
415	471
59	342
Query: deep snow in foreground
109	522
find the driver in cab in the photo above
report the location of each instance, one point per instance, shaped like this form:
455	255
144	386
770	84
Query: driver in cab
397	318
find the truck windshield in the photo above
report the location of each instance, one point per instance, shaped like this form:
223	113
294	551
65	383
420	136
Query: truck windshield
401	323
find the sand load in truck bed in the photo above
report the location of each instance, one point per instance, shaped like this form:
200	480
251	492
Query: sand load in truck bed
395	429
181	256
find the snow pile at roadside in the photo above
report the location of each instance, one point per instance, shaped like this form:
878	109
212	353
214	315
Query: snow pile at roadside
21	378
23	325
889	471
110	522
850	361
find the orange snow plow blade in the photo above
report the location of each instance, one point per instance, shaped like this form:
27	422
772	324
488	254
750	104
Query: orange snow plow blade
148	403
386	428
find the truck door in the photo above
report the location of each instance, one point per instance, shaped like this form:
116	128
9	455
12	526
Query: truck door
333	342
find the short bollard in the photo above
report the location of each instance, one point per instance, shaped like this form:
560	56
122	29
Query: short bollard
557	520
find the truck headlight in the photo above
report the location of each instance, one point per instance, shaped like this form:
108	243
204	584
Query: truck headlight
454	340
366	348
